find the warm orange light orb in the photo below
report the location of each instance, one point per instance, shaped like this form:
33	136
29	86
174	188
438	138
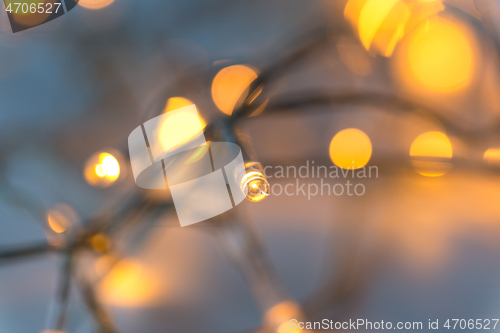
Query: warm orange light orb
439	56
102	169
492	156
230	86
95	4
350	149
130	284
431	153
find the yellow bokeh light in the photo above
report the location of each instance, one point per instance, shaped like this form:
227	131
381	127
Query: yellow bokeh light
102	169
350	149
95	4
57	221
492	156
130	284
371	17
230	86
178	129
381	24
285	328
175	103
431	152
438	56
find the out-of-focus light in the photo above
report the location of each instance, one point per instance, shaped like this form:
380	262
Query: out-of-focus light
230	86
438	56
51	331
102	169
350	149
130	284
492	156
431	153
175	103
60	218
95	4
179	128
100	243
278	317
382	23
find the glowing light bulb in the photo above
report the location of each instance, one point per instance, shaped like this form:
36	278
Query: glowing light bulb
254	184
102	169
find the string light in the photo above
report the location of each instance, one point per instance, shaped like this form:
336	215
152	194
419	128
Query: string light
254	183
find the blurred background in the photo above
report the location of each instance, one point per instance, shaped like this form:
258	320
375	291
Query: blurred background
408	86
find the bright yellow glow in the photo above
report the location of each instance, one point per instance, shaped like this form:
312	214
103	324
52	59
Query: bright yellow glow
110	166
432	144
178	129
130	284
492	156
431	152
382	23
371	17
230	86
438	56
95	4
285	328
102	169
175	103
57	221
278	317
350	149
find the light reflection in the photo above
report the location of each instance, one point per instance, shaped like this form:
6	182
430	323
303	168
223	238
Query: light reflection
431	153
350	149
230	86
